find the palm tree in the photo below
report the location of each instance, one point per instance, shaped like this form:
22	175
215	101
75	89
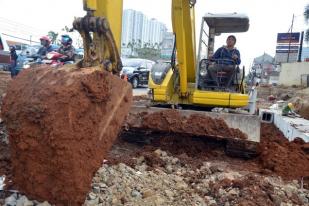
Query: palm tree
131	46
306	15
139	43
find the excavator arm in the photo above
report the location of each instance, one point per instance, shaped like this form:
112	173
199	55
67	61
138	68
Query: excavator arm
183	19
100	30
104	20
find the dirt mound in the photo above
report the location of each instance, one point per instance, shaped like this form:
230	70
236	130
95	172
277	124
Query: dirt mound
304	111
172	121
280	156
60	127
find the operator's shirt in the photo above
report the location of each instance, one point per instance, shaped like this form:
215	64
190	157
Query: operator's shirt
225	53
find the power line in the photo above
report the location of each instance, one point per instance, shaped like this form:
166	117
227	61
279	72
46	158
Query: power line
19	38
19	25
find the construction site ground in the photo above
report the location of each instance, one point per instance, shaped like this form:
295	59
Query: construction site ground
179	170
299	96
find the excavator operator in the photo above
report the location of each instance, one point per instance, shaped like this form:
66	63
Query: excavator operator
226	59
228	55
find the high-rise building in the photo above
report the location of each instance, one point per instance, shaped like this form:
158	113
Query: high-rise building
127	27
167	45
137	28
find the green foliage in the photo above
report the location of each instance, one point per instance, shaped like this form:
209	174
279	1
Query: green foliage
149	53
145	51
53	36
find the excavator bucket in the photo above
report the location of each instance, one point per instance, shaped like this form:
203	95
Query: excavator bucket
61	123
241	132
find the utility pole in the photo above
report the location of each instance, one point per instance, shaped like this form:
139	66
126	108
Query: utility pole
301	46
290	36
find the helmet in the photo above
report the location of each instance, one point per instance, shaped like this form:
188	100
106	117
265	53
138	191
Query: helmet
46	38
290	105
66	40
12	48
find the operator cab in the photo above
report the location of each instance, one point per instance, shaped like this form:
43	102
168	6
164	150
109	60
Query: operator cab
219	74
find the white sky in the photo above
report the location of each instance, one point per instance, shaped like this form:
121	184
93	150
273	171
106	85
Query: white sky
267	18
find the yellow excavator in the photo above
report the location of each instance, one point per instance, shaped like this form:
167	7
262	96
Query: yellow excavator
185	82
62	122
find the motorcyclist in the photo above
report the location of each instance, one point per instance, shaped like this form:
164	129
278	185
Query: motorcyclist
46	47
66	49
14	58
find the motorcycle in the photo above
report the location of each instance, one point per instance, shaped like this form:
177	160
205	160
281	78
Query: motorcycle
53	59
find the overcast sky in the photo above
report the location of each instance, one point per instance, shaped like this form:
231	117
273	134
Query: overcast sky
267	18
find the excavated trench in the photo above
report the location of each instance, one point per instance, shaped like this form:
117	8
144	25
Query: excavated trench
277	156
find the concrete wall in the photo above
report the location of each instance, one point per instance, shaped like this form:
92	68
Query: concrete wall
291	73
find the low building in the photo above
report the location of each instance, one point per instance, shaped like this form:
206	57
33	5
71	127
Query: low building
265	69
294	74
274	78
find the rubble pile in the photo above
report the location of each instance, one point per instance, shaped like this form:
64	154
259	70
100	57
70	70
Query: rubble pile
171	182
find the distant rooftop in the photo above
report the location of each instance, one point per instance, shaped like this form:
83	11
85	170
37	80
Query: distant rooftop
264	59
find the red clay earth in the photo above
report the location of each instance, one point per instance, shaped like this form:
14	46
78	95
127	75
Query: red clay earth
61	124
278	156
282	157
172	121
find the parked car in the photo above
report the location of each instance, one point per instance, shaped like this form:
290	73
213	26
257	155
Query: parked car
5	56
136	71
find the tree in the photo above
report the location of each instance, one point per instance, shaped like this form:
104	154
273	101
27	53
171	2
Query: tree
53	36
139	44
66	29
131	46
306	15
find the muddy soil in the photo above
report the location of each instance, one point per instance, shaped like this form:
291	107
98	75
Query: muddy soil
60	127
